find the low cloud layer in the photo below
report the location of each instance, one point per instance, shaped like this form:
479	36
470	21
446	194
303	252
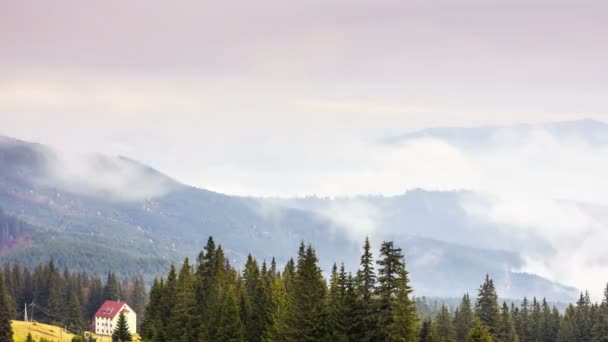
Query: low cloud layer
113	178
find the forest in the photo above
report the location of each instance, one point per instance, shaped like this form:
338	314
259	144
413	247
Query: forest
210	300
62	298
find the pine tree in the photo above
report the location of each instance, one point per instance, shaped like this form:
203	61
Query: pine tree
29	338
486	307
277	329
111	290
395	315
230	327
182	324
600	328
122	333
334	315
479	333
366	283
75	321
464	319
567	330
583	323
524	330
138	298
428	332
445	326
6	331
307	299
152	325
506	331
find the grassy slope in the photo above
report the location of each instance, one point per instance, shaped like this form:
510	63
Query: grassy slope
50	332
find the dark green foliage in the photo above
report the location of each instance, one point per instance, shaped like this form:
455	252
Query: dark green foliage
121	332
428	332
506	331
600	327
486	307
6	331
230	327
182	325
479	333
445	325
463	319
307	299
29	338
395	316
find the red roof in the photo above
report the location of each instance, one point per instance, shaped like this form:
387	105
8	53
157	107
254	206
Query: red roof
110	309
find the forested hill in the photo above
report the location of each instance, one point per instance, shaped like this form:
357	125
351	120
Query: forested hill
97	213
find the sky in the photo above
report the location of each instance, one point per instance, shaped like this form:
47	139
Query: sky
275	98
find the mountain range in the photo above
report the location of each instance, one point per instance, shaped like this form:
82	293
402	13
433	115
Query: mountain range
100	213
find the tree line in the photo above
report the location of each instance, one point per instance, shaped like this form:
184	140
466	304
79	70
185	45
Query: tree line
63	298
209	300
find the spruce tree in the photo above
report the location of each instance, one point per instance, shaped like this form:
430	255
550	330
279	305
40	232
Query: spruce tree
121	332
479	332
307	299
366	283
506	331
428	332
395	315
464	319
138	298
583	323
567	330
6	331
182	324
75	322
277	329
525	326
600	327
445	325
230	327
486	306
334	315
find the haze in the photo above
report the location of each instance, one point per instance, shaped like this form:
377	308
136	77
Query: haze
293	99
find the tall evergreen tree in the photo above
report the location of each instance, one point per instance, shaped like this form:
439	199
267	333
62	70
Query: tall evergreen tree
479	332
366	283
138	298
445	325
464	319
583	323
307	299
600	328
506	331
277	329
230	327
428	332
6	331
395	315
122	333
486	306
182	324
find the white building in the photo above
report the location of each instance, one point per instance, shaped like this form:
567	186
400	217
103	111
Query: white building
106	317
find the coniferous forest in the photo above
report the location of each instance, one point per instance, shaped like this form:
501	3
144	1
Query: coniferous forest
209	300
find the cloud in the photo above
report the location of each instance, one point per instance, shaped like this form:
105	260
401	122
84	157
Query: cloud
113	178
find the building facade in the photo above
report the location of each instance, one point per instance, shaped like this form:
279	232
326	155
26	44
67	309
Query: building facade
106	317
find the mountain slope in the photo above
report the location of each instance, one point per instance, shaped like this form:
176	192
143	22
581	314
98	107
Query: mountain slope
123	216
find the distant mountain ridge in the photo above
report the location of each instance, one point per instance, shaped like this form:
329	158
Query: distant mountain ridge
133	230
588	130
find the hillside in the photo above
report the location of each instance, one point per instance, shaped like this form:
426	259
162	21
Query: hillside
118	214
